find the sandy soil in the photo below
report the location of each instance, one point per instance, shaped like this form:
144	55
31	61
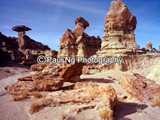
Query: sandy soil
9	69
128	109
10	110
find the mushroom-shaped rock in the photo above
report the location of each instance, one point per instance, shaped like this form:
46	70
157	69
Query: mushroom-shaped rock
82	22
20	28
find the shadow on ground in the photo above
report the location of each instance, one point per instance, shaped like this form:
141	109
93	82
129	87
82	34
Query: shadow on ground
98	80
122	109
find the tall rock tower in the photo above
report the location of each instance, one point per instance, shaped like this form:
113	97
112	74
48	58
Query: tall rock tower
119	37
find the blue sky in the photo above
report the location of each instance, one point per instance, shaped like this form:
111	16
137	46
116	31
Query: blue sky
49	19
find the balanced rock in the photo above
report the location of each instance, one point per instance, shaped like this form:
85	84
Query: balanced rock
77	42
25	42
21	28
23	49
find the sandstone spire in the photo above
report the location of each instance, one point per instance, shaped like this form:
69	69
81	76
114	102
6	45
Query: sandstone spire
119	29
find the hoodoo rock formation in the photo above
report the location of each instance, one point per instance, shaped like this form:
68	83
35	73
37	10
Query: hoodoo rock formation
23	49
119	38
25	42
77	42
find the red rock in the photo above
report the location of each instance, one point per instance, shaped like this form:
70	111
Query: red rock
78	43
80	21
100	98
50	78
67	38
119	17
140	87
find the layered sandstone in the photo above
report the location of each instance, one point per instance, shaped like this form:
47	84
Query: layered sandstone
77	42
119	38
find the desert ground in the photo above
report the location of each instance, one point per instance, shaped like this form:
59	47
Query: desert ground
128	108
33	87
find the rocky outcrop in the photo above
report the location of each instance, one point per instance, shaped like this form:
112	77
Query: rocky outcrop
100	98
77	43
9	48
23	49
51	77
140	87
119	38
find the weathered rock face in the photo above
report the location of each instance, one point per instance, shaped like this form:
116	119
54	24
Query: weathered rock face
23	49
50	77
119	18
77	43
30	48
140	87
100	98
119	38
9	48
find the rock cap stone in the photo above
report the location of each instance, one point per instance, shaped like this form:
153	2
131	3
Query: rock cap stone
20	28
82	21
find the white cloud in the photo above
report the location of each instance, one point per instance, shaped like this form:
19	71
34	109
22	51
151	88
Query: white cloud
72	6
5	27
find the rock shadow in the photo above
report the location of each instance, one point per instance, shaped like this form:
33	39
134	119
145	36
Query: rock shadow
97	80
122	109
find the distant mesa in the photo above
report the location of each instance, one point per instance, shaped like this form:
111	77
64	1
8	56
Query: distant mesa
21	28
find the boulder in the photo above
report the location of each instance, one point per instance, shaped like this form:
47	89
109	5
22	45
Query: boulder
48	78
140	87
